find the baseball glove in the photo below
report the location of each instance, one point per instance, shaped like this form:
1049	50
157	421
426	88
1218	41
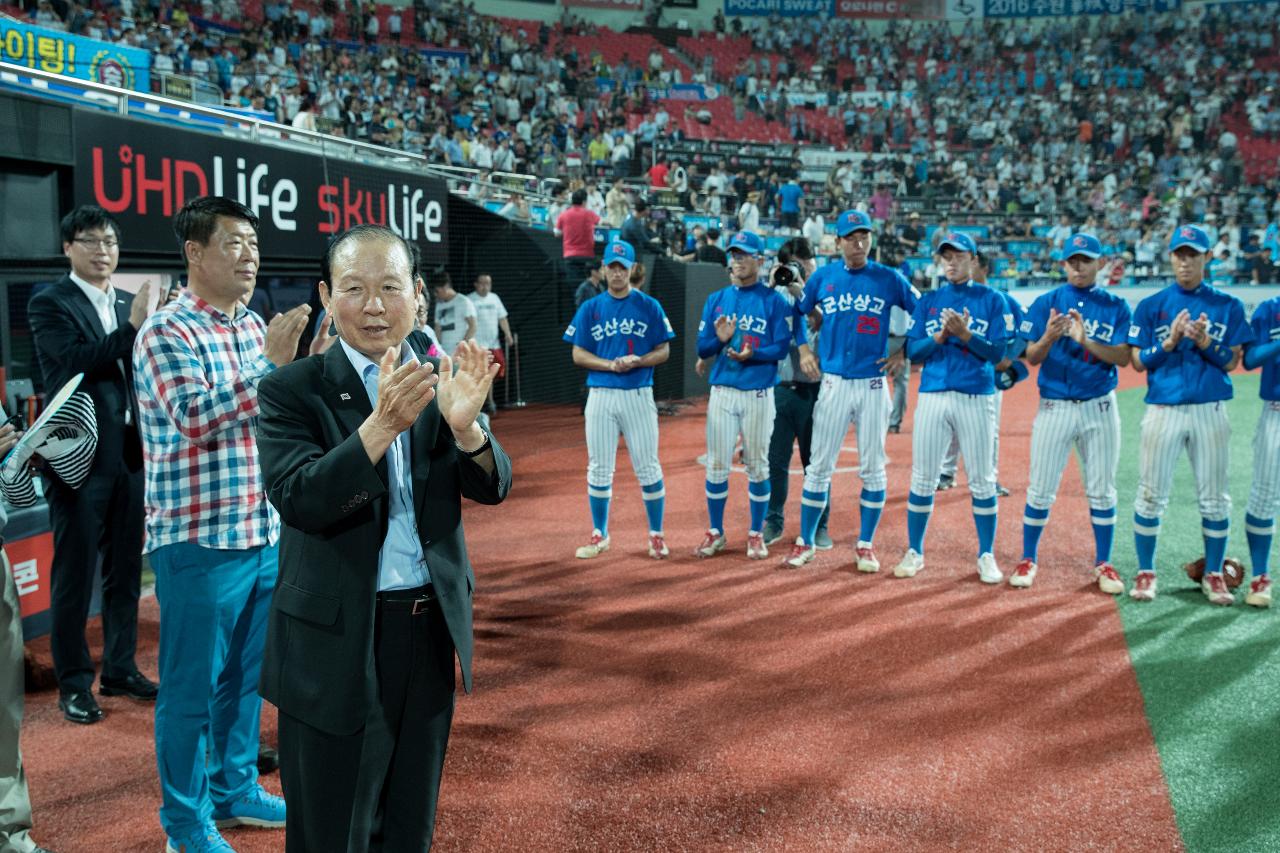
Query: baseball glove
1232	571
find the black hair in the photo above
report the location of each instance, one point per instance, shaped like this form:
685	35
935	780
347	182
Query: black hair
579	197
712	235
366	233
795	249
198	219
641	205
983	261
86	217
440	278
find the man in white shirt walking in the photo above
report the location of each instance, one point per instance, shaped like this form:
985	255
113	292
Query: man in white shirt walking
455	315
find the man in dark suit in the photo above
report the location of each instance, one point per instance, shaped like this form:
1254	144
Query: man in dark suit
366	453
80	324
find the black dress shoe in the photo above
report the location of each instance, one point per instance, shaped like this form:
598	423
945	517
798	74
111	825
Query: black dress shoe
268	760
79	706
135	686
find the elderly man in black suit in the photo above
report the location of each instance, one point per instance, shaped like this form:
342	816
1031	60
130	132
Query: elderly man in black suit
366	451
81	324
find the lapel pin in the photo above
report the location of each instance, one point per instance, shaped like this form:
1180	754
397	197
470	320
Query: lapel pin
344	396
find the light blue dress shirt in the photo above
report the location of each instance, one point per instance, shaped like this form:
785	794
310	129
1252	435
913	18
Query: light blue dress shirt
401	562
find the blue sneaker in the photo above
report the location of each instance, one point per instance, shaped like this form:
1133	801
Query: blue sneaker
256	808
207	839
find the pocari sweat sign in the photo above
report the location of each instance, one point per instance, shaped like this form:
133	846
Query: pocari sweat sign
785	8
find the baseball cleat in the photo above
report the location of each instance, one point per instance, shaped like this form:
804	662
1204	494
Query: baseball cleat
866	558
1023	574
598	545
946	481
800	554
756	549
712	543
1215	589
822	540
988	571
658	549
1144	587
1108	579
911	564
1259	592
1001	491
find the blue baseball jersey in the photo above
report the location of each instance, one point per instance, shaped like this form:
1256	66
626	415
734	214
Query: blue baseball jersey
1185	376
952	367
1266	328
763	317
1069	371
855	307
611	327
1017	312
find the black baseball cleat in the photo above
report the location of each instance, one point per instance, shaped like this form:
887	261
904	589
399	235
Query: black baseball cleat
945	482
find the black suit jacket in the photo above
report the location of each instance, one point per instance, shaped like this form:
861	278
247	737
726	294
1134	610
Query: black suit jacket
69	339
334	504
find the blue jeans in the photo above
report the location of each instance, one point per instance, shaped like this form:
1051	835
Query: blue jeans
213	625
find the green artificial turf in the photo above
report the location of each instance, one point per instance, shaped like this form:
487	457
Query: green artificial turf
1210	676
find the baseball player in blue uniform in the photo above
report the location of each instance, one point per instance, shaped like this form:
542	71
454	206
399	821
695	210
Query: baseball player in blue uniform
744	327
620	336
855	298
959	332
1187	337
1078	335
1264	495
950	462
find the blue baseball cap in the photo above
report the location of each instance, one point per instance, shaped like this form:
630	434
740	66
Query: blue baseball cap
619	252
852	220
1190	235
747	242
959	240
1011	375
1082	244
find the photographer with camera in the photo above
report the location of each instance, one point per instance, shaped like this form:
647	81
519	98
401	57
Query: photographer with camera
797	389
636	230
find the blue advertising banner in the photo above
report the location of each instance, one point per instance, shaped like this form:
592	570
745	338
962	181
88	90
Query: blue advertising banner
57	52
1063	8
785	8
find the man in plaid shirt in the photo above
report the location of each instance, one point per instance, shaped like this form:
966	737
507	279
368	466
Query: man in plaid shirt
210	532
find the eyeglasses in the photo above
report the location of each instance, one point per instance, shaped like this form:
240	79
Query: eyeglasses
107	243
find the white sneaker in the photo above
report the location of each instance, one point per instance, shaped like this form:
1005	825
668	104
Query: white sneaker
1259	592
658	549
866	558
597	545
988	571
912	563
756	549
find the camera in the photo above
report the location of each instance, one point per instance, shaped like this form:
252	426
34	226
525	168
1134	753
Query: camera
785	275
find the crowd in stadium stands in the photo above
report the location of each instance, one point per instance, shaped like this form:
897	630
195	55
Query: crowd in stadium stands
1118	124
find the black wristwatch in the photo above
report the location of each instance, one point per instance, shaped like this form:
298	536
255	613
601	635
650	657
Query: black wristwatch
472	454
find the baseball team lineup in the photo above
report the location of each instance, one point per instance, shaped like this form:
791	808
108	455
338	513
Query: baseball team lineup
808	356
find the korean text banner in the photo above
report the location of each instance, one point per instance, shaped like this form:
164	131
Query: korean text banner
785	8
1062	8
932	9
74	56
143	173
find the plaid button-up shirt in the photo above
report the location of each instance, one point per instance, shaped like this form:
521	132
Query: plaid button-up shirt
196	372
